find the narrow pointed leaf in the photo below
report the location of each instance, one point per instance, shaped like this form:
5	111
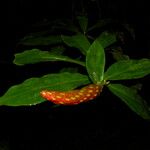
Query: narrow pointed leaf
128	69
95	62
106	39
131	98
78	41
41	40
28	92
100	24
83	21
65	25
35	55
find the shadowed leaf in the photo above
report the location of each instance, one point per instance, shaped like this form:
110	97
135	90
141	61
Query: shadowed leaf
83	21
106	39
131	98
78	41
41	40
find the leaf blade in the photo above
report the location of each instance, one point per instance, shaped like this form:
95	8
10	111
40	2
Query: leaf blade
27	93
131	98
128	69
41	40
78	41
106	39
83	22
95	62
101	23
35	55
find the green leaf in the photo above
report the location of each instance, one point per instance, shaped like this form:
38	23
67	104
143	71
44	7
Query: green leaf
106	39
95	62
83	21
27	93
100	24
35	55
128	69
41	40
78	41
65	25
131	98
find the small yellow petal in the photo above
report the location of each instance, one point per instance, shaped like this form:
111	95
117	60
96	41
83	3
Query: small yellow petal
97	91
67	99
73	98
88	95
90	91
77	96
81	93
58	97
81	100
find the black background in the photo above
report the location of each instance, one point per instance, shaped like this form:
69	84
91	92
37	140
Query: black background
105	123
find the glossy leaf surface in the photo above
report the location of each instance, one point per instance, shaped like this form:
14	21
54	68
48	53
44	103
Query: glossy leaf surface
128	69
35	55
95	62
28	92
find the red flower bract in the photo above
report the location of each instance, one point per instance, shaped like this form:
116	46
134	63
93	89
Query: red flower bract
72	97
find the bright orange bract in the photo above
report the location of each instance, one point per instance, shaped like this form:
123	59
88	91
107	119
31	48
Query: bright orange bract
72	97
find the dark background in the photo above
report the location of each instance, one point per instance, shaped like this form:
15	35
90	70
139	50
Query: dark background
103	124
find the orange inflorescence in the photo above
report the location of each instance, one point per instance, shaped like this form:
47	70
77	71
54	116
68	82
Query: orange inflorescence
73	97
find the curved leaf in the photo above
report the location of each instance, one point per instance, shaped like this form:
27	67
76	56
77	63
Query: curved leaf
131	98
78	41
106	39
27	93
128	69
83	21
35	55
95	62
65	25
41	40
100	24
